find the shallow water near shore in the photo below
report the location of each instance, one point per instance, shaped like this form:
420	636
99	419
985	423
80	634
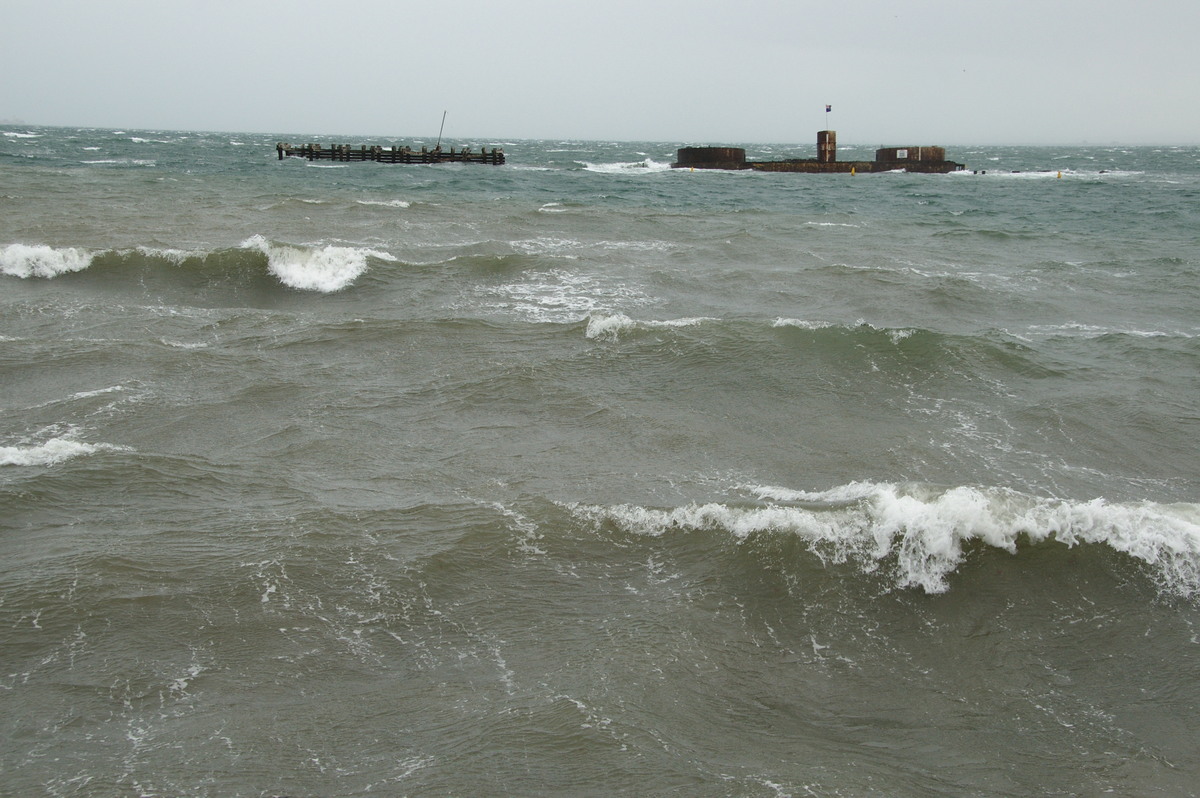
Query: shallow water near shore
583	475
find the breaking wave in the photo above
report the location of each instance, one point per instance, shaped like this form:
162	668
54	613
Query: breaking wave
52	452
39	260
320	268
603	327
646	166
325	269
916	534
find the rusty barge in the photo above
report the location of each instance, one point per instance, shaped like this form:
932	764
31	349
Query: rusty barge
887	159
407	155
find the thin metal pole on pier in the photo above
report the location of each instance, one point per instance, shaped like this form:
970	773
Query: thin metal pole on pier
440	129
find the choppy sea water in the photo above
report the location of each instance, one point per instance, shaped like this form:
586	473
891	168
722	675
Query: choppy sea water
587	476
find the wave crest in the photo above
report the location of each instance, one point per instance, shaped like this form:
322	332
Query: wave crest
325	269
918	533
645	166
39	260
52	452
602	327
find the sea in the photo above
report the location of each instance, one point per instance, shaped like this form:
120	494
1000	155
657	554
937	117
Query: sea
587	476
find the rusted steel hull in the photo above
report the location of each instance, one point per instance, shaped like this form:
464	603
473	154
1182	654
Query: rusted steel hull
711	158
858	167
405	155
931	160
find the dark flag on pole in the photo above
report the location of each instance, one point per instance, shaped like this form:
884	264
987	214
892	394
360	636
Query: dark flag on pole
828	108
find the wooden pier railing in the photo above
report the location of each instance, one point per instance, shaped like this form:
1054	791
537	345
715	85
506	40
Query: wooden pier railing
344	152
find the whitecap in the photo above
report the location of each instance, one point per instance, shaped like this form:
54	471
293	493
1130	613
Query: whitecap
52	452
396	203
122	161
802	324
648	166
604	327
917	533
326	269
39	260
174	256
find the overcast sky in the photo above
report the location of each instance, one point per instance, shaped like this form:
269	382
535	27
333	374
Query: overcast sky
681	71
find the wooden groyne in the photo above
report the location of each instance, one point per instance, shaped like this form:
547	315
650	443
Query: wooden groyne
344	152
887	159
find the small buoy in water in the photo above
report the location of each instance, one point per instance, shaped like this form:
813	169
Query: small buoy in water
1060	175
852	172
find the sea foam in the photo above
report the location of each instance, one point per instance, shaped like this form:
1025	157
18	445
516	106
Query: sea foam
39	260
646	166
917	534
52	452
325	269
604	327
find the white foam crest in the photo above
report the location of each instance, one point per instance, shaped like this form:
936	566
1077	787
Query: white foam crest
851	492
12	134
97	392
1092	331
602	327
52	452
646	166
395	203
39	260
895	334
94	394
123	161
174	256
917	533
802	324
325	269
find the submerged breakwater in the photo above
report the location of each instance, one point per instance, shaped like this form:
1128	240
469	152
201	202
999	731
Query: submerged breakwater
584	475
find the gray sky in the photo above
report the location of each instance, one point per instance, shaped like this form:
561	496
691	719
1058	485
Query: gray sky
686	71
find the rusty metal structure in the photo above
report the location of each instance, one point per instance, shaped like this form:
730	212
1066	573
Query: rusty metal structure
406	155
826	146
887	159
711	158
